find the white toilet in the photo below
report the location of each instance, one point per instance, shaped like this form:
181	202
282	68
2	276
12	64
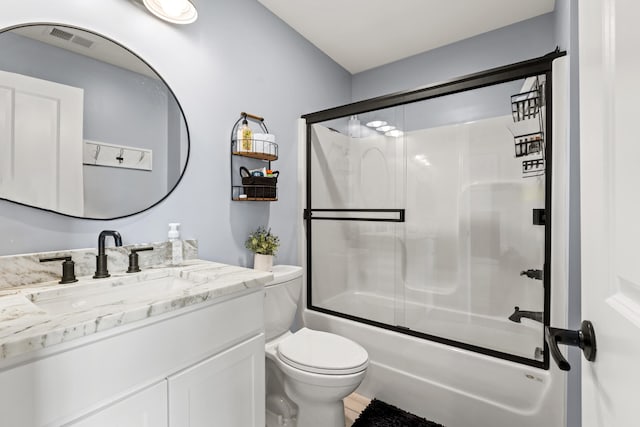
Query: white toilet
308	372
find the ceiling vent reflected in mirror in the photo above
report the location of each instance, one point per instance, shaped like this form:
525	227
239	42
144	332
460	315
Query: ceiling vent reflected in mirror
88	44
67	36
82	42
64	35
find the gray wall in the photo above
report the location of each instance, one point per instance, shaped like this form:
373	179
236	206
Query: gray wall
217	67
517	42
473	105
120	107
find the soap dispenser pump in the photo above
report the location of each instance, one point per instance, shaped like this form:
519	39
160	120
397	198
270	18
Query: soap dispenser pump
175	243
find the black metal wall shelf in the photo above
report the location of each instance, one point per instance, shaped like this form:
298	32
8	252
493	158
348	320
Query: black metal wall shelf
533	167
528	106
247	153
525	106
531	143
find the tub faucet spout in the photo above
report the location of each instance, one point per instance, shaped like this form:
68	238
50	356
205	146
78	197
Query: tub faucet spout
519	314
101	259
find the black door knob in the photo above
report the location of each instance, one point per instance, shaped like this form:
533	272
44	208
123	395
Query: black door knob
585	338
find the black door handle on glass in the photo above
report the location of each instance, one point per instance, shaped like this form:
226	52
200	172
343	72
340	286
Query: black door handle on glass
585	338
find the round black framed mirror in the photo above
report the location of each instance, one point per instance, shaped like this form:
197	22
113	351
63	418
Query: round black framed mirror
88	129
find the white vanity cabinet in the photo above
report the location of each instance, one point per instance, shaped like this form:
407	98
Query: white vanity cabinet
197	366
224	390
146	408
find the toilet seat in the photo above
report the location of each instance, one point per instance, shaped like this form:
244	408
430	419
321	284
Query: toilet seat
322	353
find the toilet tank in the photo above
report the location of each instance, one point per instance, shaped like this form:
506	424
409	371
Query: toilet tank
281	299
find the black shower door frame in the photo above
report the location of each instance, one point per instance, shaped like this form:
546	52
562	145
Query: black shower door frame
494	76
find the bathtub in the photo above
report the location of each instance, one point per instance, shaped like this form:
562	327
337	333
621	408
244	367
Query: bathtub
455	387
523	339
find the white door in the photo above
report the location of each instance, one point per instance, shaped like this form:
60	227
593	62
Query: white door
610	211
226	390
41	143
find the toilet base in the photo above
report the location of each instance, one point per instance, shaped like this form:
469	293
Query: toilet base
277	420
314	414
280	411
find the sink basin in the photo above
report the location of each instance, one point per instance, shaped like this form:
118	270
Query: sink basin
91	294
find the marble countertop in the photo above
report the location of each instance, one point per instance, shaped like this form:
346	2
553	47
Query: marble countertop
34	318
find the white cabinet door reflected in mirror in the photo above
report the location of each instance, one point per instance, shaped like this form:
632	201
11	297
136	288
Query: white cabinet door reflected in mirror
41	143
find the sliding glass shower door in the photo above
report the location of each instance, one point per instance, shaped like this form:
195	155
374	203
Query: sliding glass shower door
357	209
431	217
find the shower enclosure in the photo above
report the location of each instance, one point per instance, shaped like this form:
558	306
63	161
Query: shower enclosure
429	212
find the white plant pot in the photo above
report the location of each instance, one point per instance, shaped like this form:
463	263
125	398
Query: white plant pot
263	262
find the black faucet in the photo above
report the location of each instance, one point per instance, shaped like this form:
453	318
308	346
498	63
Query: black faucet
519	314
101	259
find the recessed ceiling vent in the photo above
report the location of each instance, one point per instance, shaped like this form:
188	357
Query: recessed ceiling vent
82	41
57	32
67	36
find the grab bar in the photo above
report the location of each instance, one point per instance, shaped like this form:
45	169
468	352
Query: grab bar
341	215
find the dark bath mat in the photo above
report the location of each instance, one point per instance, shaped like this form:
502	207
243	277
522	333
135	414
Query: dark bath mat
380	414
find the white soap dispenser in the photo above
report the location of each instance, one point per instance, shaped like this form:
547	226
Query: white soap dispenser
175	243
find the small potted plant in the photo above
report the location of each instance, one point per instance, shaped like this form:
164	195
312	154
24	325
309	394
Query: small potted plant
264	245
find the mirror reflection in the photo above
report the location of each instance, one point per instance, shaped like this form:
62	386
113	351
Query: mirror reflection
87	128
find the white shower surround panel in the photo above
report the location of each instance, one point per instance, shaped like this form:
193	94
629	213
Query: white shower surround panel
468	233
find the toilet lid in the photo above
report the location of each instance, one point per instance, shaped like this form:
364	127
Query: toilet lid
323	353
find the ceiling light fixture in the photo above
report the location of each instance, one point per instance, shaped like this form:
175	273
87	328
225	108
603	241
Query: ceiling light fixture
385	128
376	123
395	133
174	11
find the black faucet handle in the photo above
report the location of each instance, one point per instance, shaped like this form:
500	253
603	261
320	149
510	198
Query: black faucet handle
533	274
146	248
68	268
134	267
60	258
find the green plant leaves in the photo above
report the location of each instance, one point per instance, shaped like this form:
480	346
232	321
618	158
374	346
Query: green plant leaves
262	242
